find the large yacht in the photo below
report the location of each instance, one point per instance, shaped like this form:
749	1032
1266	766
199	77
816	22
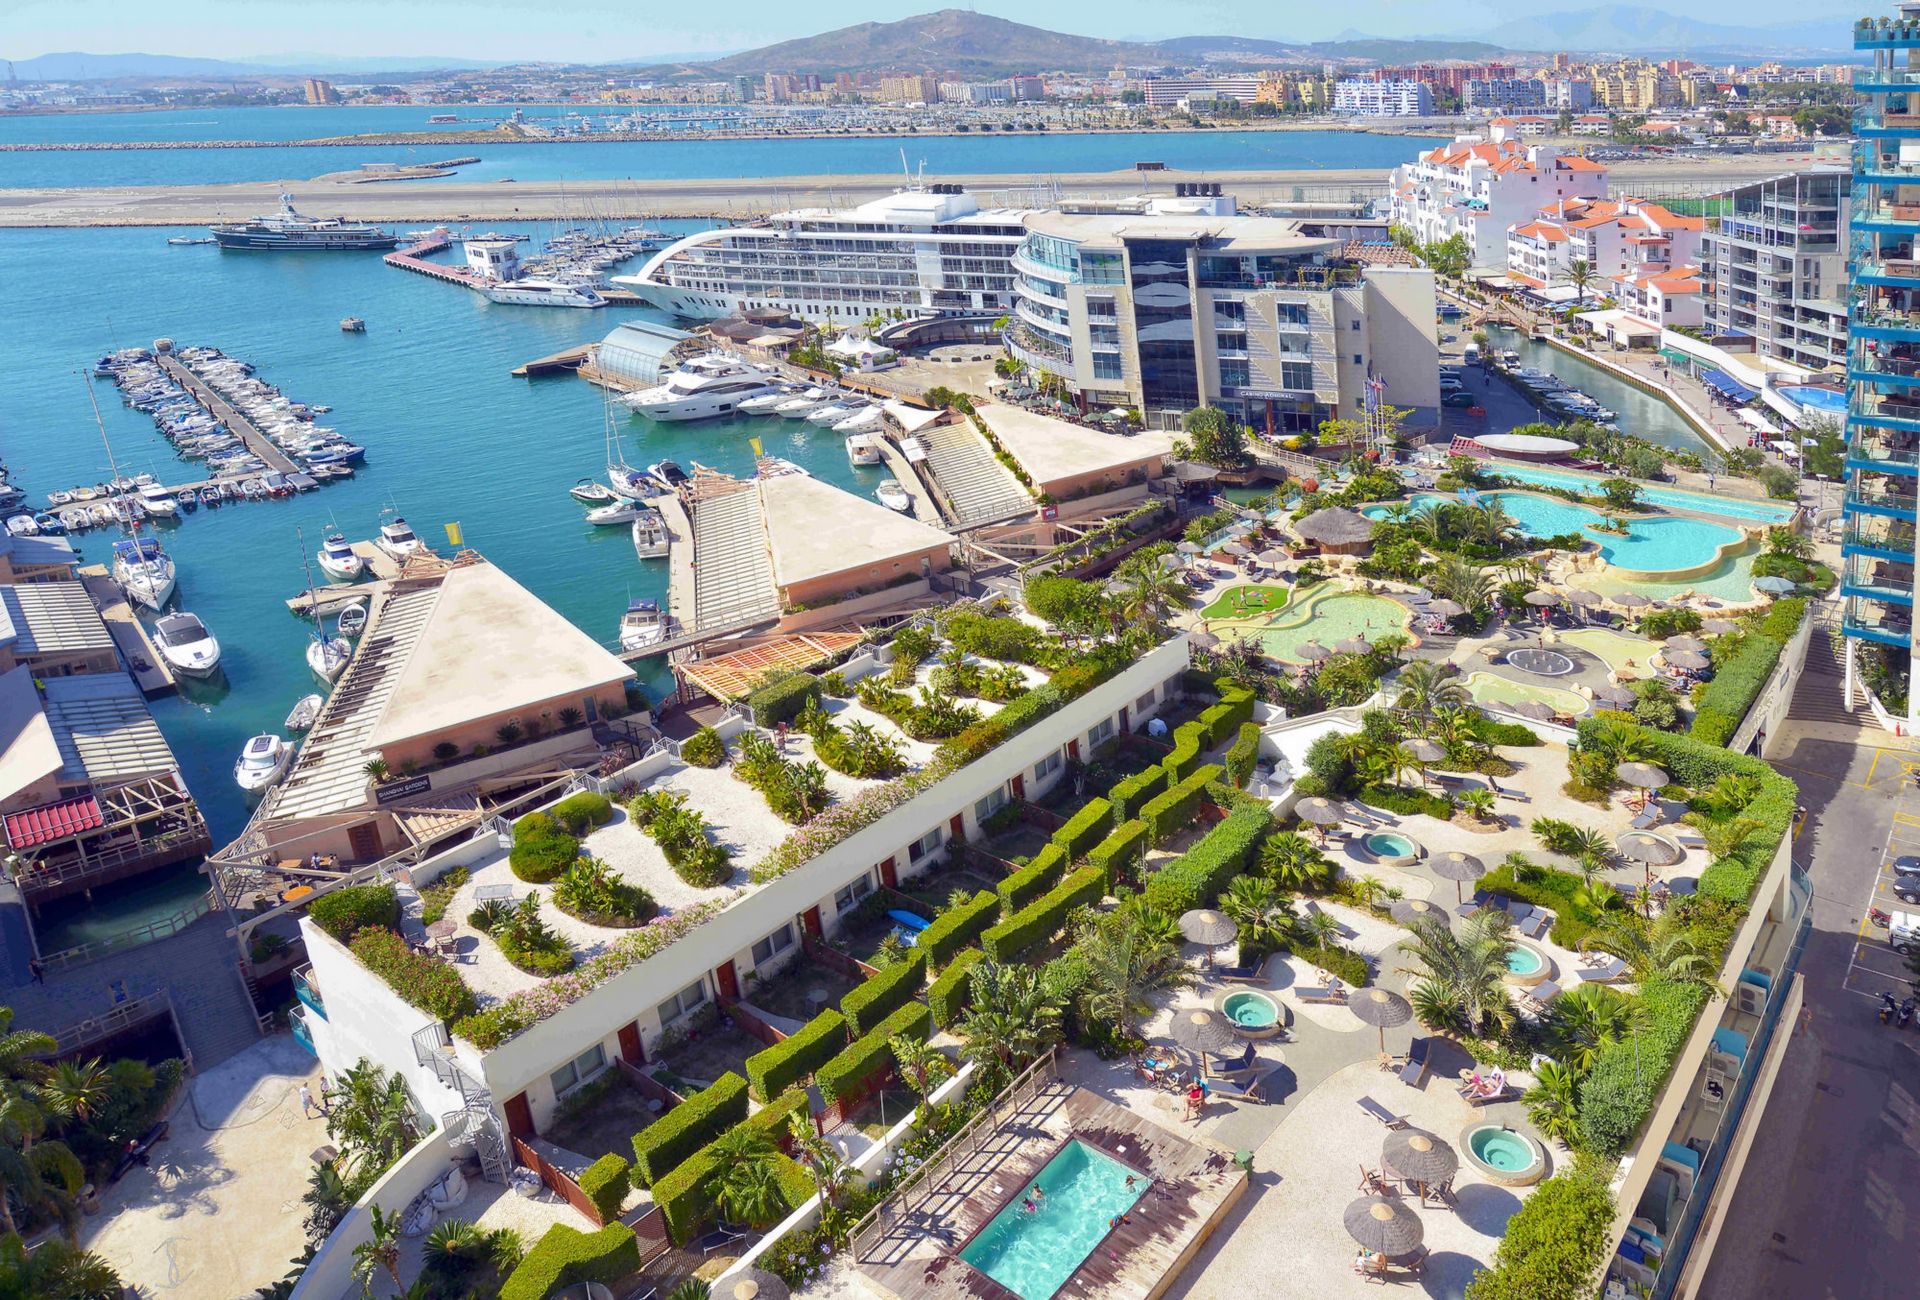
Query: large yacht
543	293
288	229
927	249
702	389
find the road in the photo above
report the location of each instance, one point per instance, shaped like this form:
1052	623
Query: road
1825	1205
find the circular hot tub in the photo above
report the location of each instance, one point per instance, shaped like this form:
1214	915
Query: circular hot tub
1392	848
1501	1155
1251	1013
1527	965
1541	663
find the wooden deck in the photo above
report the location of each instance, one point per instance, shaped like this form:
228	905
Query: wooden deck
918	1257
128	633
335	596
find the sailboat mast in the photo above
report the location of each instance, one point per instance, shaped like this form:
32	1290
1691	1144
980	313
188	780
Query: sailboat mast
127	517
313	603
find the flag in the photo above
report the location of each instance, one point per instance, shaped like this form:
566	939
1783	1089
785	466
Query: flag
453	535
755	444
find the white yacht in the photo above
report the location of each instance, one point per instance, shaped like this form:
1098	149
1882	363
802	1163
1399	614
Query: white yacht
805	404
703	388
338	560
157	501
630	483
764	404
893	496
261	762
328	656
642	625
589	493
542	293
928	248
862	449
860	421
650	535
186	645
304	712
398	540
624	511
143	570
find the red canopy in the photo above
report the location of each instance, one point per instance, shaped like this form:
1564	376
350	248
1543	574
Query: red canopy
54	821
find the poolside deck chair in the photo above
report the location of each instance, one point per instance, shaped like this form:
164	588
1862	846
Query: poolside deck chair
1540	996
1648	818
717	1239
1537	923
1414	1072
1236	1064
1381	1113
1502	792
1238	1089
1604	972
1250	973
1322	994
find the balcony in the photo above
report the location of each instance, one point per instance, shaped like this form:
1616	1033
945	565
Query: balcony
1880	496
1894	216
1883	428
297	1023
1874	621
1886	581
1888	539
309	992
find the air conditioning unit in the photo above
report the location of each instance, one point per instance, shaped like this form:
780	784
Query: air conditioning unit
1749	998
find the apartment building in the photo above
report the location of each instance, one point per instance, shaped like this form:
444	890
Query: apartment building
1283	90
1611	238
915	89
1574	94
1383	98
1171	309
1481	188
1167	92
975	92
1505	93
1774	267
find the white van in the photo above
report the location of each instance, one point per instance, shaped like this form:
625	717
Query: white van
1471	356
1903	932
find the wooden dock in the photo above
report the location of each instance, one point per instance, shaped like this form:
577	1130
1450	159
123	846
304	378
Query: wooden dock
556	363
129	634
338	596
257	442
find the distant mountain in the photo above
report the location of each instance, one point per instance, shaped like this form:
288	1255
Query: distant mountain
1254	50
1637	29
77	66
952	40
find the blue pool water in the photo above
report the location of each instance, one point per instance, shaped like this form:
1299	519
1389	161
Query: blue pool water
1650	545
1768	512
1829	401
1033	1255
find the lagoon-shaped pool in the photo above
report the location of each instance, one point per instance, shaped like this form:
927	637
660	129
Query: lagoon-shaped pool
1499	691
1326	614
1650	545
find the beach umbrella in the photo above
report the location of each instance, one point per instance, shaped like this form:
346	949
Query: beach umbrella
1534	709
1719	626
1235	549
1188	548
1312	651
1381	1009
1207	927
1426	751
758	1284
1446	608
1385	1225
1319	812
1632	600
1642	849
1203	640
1252	515
1641	776
1542	599
1419	1156
1408	910
1687	659
1692	643
1273	557
1614	697
1578	597
1773	586
1169	562
1459	868
1353	645
1202	1031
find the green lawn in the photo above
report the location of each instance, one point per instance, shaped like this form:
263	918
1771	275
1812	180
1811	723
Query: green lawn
1248	600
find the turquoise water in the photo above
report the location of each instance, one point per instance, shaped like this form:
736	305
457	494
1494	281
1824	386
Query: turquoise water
1390	846
1508	1152
1768	512
451	436
1640	412
1253	1010
1826	400
1523	961
1650	545
1033	1255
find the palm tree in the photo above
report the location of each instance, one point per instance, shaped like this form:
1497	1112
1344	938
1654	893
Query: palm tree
1124	967
328	1198
1149	920
1477	801
1489	523
1013	1018
1470	965
1292	861
823	1160
380	1251
1659	950
54	1270
1589	1018
1426	688
1553	1101
1465	582
747	1188
923	1065
1322	928
1149	591
1579	275
75	1090
1258	908
370	1115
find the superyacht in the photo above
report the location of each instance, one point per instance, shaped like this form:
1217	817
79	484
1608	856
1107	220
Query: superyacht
289	230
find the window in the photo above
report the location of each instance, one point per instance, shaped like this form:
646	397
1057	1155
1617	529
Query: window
1291	313
1107	365
849	898
578	1070
928	843
1144	703
1047	766
1296	376
1357	361
777	942
686	1000
990	805
1101	734
1234	374
1229	309
1353	325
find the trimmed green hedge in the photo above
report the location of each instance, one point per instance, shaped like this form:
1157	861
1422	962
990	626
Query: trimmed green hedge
1243	754
1735	686
1038	920
1618	1093
871	1001
1165	814
686	1193
1238	701
1130	792
784	700
949	995
1189	739
1032	880
1196	878
538	858
777	1068
686	1128
606	1183
346	912
1344	964
433	986
1555	1243
1120	852
566	1257
840	1078
580	813
1085	828
957	927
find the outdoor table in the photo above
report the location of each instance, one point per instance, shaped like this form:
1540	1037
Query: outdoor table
487	893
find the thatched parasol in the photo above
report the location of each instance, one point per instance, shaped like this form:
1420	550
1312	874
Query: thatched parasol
1534	709
758	1284
1408	910
1632	600
1354	645
1719	626
1335	526
1773	586
1641	776
1614	696
1207	927
1202	640
1381	1009
1446	608
1188	548
1383	1224
1319	812
1542	599
1236	550
1312	651
1578	597
1202	1031
1418	1155
1686	659
1687	643
1459	868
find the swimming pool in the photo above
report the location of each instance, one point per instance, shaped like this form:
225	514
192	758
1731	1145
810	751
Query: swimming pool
1327	614
1767	512
1623	655
1827	401
1034	1254
1650	546
1504	692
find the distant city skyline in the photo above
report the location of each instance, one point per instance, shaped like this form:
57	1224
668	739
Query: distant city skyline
604	31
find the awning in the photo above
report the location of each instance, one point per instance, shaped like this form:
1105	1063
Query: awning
1759	423
1727	386
1676	357
54	821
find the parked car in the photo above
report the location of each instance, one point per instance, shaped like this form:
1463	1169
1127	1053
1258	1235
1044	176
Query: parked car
1457	397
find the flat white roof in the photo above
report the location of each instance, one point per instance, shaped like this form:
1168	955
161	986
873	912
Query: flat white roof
1528	443
1221	234
105	733
27	749
1052	450
53	617
815	529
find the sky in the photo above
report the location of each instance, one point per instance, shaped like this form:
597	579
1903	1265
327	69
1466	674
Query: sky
603	31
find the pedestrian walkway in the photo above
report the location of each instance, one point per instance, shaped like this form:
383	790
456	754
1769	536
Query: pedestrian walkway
978	488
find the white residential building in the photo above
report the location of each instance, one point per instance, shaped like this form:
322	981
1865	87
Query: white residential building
1612	238
1776	267
1498	94
1481	188
1166	92
1383	98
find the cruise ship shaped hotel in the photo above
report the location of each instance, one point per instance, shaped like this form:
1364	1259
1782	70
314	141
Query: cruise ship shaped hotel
1883	364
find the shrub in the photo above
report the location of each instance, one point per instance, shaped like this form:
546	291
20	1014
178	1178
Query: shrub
1166	813
775	1069
1189	738
879	996
540	858
686	1128
1238	700
1343	964
1085	828
1039	920
1735	686
346	912
1628	1075
1119	853
704	748
1129	793
1327	763
1554	1244
1032	880
996	637
782	701
1557	891
566	1256
842	1077
949	995
1196	878
1400	799
433	986
1659	624
1514	735
605	1183
1242	755
577	814
957	927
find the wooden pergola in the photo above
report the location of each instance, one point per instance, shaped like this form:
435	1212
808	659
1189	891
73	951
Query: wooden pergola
730	676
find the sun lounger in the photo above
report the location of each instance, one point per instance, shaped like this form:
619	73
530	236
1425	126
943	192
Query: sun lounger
1648	819
1323	994
1237	1089
1381	1113
1538	922
718	1239
1237	1063
1253	973
1602	972
1502	792
1540	995
1516	911
1414	1072
487	893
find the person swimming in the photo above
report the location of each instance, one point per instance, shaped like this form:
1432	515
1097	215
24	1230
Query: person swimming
1027	1206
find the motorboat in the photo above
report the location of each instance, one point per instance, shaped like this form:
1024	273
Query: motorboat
703	388
542	293
832	413
304	711
50	524
862	449
22	525
186	645
589	493
143	570
860	421
157	501
261	762
398	540
353	619
642	625
796	407
650	539
338	559
353	325
619	512
328	656
667	474
893	496
764	404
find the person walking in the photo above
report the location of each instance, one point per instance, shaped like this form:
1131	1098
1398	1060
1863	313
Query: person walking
308	1105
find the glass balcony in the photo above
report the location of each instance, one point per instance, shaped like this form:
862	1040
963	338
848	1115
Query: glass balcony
1872	578
1878	495
1874	535
1873	620
308	992
1893	117
297	1022
1884	425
